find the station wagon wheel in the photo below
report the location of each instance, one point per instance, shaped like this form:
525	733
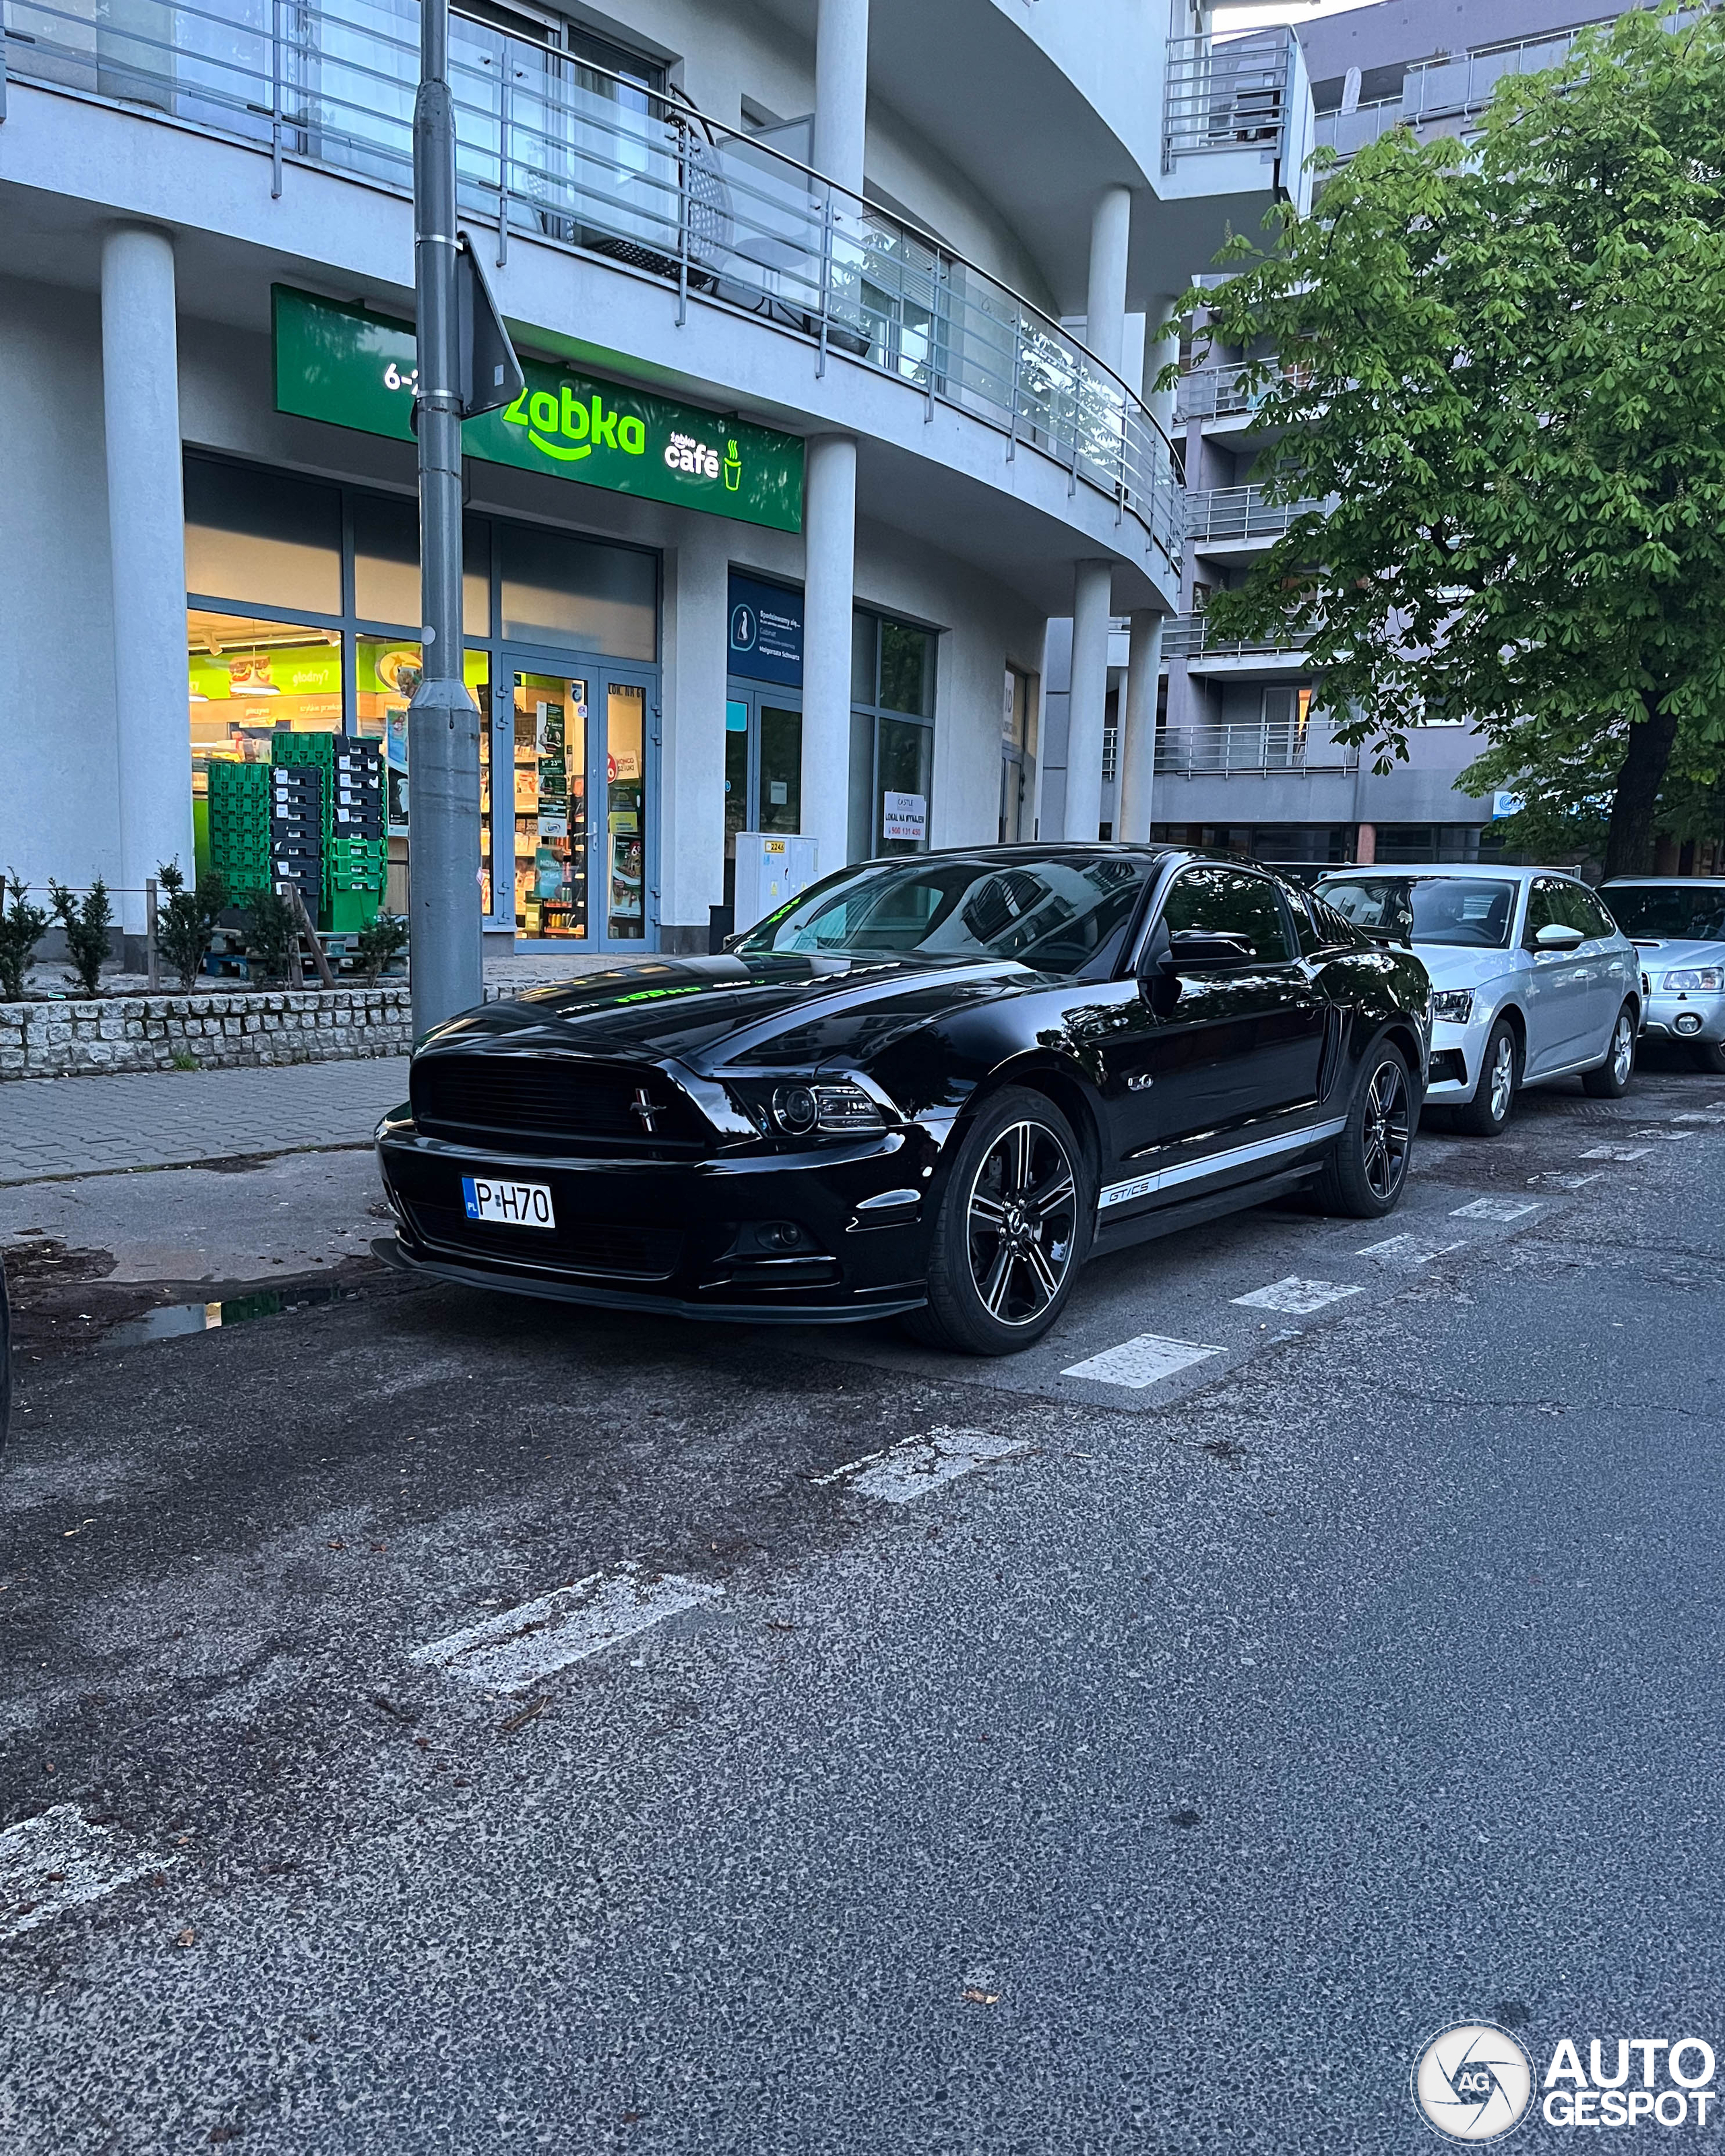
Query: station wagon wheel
1367	1165
1610	1081
1011	1230
1486	1113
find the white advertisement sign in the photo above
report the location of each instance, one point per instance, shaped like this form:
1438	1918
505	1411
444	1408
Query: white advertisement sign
904	816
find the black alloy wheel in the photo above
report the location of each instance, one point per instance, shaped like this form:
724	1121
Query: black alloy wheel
1011	1232
1610	1079
1368	1166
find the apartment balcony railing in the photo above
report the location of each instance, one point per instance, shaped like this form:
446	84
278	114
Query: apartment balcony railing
1345	132
563	152
1217	392
1190	636
1445	89
1243	750
1227	94
1228	516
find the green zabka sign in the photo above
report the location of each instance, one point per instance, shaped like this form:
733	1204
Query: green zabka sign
353	368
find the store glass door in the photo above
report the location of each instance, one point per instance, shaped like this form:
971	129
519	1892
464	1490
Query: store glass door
584	774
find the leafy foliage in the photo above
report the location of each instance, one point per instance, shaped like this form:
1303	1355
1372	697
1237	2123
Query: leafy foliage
86	923
22	928
1506	365
185	919
383	937
272	932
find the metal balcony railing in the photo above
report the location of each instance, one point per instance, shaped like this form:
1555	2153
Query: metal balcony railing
1463	84
1229	516
1244	749
1217	392
1190	636
1227	94
569	153
1345	132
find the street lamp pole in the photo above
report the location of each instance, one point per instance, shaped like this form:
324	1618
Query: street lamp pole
446	947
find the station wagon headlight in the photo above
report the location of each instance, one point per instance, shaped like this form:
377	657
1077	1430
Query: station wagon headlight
1697	976
1453	1006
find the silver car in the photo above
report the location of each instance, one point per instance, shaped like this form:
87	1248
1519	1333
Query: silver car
1532	979
1677	924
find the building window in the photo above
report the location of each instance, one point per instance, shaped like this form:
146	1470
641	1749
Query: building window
892	695
1017	757
263	538
579	594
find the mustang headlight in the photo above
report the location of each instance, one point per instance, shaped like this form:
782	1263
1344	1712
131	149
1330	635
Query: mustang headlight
1453	1006
1697	976
808	1107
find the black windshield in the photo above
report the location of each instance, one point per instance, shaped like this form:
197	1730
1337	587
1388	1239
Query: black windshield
1060	913
1695	916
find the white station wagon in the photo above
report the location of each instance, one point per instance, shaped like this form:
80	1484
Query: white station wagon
1532	979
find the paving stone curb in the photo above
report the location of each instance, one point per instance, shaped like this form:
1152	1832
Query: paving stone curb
221	1032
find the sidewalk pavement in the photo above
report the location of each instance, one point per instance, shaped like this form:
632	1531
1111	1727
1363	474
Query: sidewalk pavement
59	1126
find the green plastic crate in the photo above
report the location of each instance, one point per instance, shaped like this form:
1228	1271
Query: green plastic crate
345	911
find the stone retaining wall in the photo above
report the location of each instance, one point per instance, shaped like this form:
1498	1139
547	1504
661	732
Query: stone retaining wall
218	1032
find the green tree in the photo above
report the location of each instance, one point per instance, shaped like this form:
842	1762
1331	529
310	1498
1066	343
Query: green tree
1505	365
22	928
86	921
185	919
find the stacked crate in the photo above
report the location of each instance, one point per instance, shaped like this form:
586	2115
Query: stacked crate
239	824
296	833
354	844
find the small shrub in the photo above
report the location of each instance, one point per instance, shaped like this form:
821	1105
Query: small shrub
185	919
86	924
22	928
383	937
272	932
183	1058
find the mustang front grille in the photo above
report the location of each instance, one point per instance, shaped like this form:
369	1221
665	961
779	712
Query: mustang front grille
497	1101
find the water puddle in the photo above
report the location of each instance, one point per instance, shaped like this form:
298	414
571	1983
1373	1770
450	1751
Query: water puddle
173	1319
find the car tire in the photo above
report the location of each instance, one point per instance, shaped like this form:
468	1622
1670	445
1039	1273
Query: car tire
1609	1081
1500	1081
1710	1056
1367	1169
1013	1228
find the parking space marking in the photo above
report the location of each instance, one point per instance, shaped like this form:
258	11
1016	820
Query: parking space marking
1549	1179
1141	1361
917	1464
515	1649
57	1861
1495	1208
1616	1152
1300	1297
1669	1137
1408	1250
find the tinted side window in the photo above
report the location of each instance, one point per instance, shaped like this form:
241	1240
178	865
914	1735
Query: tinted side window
1585	912
1319	926
1230	902
1545	905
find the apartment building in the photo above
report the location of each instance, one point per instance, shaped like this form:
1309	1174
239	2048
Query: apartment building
1240	760
806	463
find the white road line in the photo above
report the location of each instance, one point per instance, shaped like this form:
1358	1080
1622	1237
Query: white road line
917	1464
512	1650
1408	1250
1548	1179
57	1861
1669	1137
1299	1296
1616	1152
1495	1208
1141	1361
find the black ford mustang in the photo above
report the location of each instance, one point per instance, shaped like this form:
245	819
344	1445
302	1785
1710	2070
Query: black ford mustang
930	1086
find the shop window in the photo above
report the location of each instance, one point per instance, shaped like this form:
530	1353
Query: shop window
579	594
386	672
262	538
892	754
249	678
386	564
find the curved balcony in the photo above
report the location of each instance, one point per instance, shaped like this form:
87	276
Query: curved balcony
567	153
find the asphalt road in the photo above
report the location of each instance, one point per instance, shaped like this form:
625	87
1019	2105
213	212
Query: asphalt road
1158	1773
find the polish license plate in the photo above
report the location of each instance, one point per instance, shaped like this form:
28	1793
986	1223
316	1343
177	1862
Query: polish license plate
515	1204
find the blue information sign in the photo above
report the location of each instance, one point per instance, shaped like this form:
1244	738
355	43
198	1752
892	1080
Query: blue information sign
766	631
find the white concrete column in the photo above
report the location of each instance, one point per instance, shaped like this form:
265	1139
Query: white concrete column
828	565
146	539
841	90
691	815
1092	583
1158	351
1137	731
1110	229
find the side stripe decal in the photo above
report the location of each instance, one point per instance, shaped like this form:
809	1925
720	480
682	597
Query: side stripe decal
1217	1164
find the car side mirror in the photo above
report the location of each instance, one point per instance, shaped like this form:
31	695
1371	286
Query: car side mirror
1558	936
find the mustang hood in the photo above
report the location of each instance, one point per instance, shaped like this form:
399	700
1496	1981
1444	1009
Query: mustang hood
709	1011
